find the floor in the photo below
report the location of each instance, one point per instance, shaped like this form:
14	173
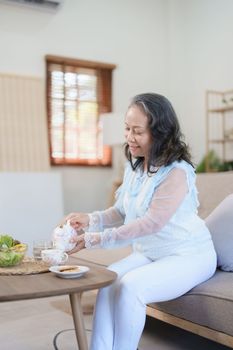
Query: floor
37	324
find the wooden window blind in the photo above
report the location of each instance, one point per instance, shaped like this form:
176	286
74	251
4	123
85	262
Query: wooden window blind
78	92
23	127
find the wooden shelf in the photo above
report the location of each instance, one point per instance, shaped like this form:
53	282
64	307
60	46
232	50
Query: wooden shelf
221	109
221	141
219	122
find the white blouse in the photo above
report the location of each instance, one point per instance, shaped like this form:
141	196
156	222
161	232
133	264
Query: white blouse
157	214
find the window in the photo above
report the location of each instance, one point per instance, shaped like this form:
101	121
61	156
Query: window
78	92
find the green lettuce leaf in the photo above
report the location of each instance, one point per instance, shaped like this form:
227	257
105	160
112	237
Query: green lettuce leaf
6	241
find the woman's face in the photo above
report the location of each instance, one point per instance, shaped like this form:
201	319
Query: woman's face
137	132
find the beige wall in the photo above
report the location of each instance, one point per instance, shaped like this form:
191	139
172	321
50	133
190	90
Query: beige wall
130	34
178	48
201	57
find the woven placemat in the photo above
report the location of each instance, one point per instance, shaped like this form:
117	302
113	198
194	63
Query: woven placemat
28	266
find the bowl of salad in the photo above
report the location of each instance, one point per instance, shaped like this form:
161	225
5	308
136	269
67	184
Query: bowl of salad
12	251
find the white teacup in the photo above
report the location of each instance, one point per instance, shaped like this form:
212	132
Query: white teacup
54	256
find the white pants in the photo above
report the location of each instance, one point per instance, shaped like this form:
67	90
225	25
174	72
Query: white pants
120	310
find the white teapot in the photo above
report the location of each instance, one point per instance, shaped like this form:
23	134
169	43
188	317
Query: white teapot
62	235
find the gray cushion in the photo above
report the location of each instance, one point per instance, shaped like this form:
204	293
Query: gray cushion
220	224
209	304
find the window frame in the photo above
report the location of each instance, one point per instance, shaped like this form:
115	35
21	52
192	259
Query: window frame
104	71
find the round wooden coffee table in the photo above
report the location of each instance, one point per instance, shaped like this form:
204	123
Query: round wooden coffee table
22	287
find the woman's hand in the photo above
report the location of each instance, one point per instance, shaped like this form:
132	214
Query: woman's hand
78	220
80	244
85	240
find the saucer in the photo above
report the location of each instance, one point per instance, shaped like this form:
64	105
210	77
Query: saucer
69	271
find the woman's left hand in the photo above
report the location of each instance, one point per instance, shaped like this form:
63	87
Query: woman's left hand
80	244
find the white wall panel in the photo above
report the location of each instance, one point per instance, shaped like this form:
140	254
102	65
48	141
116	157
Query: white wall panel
31	205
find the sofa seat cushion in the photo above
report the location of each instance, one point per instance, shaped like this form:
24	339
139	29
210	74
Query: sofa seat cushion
103	257
209	304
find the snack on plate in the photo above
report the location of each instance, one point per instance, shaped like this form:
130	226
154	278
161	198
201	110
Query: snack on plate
70	269
12	251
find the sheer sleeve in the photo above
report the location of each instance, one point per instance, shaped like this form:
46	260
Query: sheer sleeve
99	220
165	201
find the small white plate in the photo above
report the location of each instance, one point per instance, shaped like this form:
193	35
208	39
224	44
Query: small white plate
69	271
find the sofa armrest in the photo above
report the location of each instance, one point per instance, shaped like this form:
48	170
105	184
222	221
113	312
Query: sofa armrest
212	189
